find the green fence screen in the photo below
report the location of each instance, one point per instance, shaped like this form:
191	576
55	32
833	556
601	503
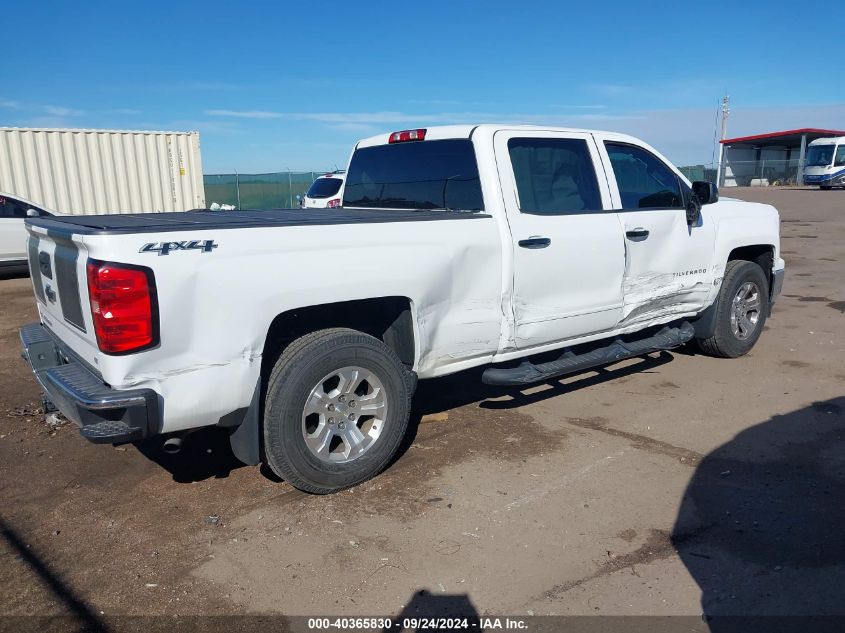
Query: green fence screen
258	191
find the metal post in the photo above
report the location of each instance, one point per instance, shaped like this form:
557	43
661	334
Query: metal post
762	171
723	163
726	110
238	188
799	178
290	190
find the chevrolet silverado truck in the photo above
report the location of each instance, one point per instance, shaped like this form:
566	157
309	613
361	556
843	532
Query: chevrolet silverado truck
534	252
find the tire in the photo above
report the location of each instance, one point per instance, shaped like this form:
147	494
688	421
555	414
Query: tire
726	342
304	375
824	187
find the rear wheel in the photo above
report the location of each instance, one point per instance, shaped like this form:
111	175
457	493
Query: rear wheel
741	310
336	411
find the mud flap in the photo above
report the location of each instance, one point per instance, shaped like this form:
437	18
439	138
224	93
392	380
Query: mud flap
705	324
246	440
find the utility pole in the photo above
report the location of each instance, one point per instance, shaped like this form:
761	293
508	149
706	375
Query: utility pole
726	110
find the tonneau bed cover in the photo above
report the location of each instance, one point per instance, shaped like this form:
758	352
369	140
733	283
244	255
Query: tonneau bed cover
204	219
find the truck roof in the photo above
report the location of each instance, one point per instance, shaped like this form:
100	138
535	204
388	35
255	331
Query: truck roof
440	132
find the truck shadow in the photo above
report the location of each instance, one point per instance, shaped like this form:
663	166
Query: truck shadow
207	454
760	525
465	388
449	392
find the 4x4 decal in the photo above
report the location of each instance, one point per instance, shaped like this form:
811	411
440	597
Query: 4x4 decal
165	248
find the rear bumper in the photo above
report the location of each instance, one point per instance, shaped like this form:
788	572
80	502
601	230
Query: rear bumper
104	415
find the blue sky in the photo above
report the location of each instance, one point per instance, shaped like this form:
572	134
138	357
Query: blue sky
279	85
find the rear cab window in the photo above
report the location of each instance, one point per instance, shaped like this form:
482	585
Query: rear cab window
324	188
644	181
415	175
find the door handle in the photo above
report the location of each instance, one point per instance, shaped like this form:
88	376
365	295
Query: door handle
638	232
535	242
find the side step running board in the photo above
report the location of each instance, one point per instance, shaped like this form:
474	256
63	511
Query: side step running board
570	363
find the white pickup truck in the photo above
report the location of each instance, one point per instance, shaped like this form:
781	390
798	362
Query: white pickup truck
304	331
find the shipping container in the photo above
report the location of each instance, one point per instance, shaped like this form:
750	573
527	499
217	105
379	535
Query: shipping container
82	172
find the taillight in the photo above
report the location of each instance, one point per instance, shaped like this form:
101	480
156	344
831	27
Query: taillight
407	135
123	305
333	203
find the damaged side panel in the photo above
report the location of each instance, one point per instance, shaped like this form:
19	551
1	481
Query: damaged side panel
654	296
669	273
216	309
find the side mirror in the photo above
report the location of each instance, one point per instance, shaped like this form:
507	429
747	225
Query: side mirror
706	192
33	213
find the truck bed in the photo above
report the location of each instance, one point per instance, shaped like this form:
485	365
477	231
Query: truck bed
202	219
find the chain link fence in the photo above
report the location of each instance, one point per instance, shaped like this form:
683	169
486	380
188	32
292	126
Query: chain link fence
748	173
277	190
709	172
761	173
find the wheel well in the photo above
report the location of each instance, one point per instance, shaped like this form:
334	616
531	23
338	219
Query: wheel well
761	254
386	318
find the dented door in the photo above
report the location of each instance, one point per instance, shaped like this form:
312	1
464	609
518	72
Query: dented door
567	243
667	262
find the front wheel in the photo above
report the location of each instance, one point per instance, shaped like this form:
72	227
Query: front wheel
336	410
741	310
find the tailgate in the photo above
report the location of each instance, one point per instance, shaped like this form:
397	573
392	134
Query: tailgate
57	266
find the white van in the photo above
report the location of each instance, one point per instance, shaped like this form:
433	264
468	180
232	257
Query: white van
825	164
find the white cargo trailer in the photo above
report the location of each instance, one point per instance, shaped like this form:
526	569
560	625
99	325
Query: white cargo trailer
83	172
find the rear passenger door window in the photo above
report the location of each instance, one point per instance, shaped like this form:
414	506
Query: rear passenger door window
554	176
644	181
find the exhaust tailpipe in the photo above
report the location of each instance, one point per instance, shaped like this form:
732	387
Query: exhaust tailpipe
172	445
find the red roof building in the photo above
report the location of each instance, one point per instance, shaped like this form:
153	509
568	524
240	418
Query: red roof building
768	158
